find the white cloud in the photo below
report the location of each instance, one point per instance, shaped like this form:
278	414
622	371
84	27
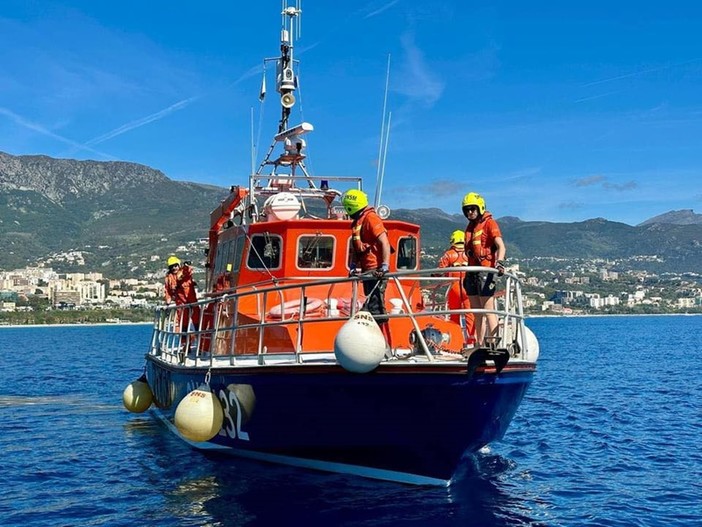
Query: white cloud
416	80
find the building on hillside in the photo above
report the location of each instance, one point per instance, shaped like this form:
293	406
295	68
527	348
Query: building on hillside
65	298
598	302
685	303
8	296
91	292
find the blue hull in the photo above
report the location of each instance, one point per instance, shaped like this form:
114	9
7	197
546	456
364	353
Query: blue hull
414	420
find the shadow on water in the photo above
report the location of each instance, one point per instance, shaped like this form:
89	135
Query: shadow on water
221	490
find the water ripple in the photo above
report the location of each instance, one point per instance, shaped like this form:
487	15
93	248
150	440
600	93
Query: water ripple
607	436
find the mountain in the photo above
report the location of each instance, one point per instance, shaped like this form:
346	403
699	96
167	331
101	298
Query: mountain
676	217
120	214
679	247
128	210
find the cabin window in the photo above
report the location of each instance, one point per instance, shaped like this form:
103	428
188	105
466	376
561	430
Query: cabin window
264	252
226	260
235	255
220	257
407	253
315	251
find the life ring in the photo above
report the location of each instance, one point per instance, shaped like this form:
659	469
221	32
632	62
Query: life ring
291	308
345	305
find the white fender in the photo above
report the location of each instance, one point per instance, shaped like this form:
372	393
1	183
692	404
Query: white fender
359	345
532	345
137	396
199	415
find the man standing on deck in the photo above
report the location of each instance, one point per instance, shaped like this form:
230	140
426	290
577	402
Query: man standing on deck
371	253
179	287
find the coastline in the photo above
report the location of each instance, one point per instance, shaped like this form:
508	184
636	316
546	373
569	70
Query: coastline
602	315
149	323
77	324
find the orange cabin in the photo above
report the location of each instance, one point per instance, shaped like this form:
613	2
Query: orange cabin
300	253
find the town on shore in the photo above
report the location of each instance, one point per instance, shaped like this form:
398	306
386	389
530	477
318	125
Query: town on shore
40	295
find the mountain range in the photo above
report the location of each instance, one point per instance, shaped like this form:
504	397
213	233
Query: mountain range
119	214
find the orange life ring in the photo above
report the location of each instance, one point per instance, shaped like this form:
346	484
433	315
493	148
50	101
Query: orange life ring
291	308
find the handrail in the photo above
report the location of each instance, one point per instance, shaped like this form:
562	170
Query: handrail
219	316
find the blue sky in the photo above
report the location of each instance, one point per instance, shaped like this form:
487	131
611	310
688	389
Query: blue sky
554	111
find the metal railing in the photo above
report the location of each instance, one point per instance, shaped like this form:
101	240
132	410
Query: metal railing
208	328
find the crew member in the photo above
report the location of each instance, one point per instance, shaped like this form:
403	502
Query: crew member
371	253
484	247
457	298
180	288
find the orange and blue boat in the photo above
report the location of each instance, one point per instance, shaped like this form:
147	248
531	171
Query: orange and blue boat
283	364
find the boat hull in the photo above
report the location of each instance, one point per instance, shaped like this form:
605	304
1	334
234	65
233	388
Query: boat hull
403	422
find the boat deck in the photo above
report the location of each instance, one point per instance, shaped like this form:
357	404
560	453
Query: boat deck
217	333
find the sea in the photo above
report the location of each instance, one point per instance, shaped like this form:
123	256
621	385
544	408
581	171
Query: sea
609	434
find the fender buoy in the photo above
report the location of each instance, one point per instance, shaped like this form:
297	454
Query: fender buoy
137	396
532	344
359	345
291	308
199	415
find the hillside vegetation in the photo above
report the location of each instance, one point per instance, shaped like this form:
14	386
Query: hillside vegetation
118	214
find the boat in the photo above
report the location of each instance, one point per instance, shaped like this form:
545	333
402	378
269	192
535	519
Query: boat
285	365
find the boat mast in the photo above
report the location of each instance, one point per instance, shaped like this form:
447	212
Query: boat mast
286	84
286	80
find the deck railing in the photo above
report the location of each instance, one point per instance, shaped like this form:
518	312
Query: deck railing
208	327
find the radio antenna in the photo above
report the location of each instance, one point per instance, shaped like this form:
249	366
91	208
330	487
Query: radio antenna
253	145
382	149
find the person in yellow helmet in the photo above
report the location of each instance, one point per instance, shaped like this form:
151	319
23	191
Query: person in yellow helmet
456	297
179	288
484	247
370	253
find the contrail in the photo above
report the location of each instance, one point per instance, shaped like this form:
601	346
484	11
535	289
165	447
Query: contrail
141	122
162	113
640	72
381	9
18	119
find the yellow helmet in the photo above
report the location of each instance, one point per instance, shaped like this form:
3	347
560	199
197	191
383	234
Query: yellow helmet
457	237
473	198
354	200
172	260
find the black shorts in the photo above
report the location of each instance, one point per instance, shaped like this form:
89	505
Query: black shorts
479	284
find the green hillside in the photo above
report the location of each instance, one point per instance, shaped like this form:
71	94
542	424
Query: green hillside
120	215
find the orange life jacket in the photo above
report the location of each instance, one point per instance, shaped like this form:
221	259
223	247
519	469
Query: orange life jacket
179	286
365	231
480	240
453	258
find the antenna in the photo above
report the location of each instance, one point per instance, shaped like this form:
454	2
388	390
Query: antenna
253	146
382	149
379	187
298	7
286	81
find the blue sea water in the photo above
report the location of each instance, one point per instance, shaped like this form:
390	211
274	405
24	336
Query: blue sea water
609	434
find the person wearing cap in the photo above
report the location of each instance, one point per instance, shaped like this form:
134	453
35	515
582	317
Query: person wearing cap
179	288
371	253
484	247
456	297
